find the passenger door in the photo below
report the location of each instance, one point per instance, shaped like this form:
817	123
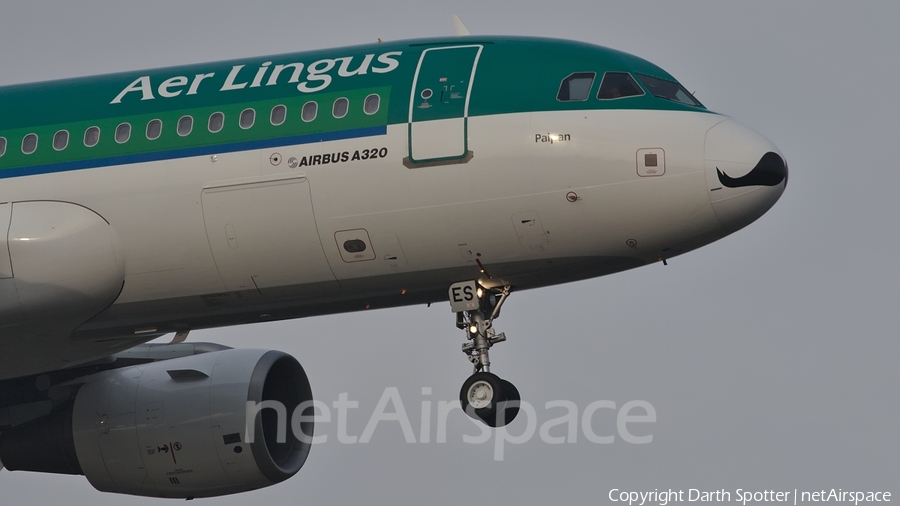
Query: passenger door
439	105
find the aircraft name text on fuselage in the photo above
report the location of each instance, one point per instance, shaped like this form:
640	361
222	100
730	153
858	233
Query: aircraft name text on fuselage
339	157
318	77
551	138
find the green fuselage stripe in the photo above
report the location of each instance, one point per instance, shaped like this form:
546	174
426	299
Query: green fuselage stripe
171	145
513	75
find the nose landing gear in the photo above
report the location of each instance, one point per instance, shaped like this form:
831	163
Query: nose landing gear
484	396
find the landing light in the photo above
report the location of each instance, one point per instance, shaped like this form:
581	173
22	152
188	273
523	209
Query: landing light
473	329
479	292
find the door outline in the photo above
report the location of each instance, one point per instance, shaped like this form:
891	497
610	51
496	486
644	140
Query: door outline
466	155
238	262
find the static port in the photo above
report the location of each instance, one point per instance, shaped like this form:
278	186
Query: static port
354	246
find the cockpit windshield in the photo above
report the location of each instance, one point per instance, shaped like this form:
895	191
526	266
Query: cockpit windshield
669	90
576	86
618	85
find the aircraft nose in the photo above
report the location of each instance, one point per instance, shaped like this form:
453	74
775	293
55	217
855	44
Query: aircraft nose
745	172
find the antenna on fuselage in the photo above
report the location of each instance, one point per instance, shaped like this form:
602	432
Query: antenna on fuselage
461	29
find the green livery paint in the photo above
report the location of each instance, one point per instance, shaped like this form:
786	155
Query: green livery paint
200	136
510	73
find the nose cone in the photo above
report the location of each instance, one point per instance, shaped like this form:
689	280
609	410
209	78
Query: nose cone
745	172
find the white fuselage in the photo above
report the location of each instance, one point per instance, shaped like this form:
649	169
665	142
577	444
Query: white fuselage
547	197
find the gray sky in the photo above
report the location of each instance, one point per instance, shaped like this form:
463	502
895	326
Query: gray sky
770	356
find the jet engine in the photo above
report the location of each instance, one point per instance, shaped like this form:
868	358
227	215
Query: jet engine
197	426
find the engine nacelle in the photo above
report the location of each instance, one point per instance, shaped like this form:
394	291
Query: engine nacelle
178	428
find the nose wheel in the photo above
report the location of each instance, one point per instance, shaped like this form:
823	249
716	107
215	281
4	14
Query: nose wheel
489	398
484	396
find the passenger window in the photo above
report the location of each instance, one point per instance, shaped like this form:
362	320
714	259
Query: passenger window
372	103
154	129
576	87
279	113
2	146
91	136
216	122
123	133
339	110
29	144
185	125
618	85
61	140
669	90
310	109
248	117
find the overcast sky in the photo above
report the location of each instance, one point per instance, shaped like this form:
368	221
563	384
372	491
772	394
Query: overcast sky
770	357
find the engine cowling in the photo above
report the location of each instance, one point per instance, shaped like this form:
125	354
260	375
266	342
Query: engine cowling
199	426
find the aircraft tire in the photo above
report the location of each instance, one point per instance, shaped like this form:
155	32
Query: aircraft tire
493	400
513	401
479	396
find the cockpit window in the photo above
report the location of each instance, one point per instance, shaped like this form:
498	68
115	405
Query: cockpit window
669	90
618	85
576	87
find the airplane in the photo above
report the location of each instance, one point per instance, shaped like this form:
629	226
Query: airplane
463	169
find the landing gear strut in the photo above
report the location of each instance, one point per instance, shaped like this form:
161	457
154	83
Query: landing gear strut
484	396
